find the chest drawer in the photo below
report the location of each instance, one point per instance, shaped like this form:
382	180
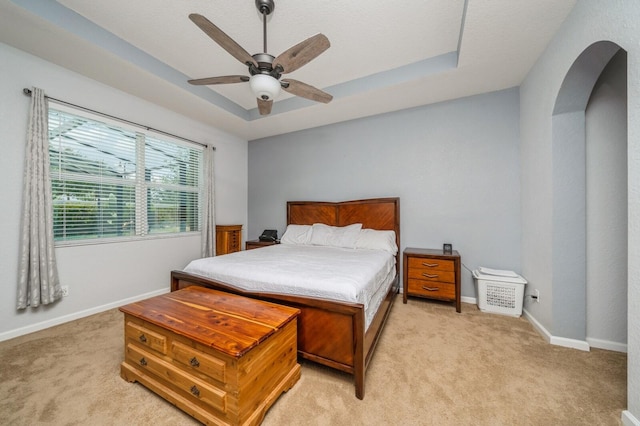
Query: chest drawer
193	387
195	360
146	337
234	242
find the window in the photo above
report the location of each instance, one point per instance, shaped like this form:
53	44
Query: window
112	182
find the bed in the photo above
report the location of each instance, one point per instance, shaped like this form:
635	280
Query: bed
331	332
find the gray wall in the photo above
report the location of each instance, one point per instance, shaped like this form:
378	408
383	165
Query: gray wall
588	23
606	148
99	276
454	165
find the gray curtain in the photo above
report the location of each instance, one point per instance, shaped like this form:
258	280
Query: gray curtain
208	216
38	281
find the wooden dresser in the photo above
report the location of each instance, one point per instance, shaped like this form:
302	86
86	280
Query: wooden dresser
228	239
221	358
432	274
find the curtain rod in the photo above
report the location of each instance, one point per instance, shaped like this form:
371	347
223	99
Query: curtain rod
133	123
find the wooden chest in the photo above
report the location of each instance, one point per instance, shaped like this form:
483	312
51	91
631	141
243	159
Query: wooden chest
222	358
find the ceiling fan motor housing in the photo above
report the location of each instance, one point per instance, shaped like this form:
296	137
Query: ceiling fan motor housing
265	66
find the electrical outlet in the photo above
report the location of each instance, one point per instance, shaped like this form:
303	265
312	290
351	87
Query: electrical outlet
65	290
536	293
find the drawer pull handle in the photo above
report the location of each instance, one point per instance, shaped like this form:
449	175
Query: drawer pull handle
143	338
430	275
429	265
430	288
143	361
194	362
195	391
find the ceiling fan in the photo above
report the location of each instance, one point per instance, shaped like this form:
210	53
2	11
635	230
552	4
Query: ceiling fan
265	69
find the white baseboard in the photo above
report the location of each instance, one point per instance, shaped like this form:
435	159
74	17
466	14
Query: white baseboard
76	315
539	327
582	345
629	419
471	300
607	344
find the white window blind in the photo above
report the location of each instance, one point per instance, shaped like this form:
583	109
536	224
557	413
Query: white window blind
113	182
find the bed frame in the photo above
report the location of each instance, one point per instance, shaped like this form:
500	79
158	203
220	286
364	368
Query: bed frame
330	332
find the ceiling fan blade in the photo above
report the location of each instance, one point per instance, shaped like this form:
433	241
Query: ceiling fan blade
302	53
304	90
225	79
226	42
264	106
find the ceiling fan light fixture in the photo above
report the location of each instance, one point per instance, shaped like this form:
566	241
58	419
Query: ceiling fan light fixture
264	87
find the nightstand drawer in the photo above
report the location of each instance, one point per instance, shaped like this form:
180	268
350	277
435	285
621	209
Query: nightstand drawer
254	244
432	275
433	264
434	289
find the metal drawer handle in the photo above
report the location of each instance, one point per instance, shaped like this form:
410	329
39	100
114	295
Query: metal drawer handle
143	361
429	265
430	275
194	362
143	338
194	390
430	288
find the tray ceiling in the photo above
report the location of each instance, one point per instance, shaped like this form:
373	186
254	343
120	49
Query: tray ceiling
383	56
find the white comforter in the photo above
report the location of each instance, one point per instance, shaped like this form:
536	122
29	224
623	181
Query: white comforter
348	275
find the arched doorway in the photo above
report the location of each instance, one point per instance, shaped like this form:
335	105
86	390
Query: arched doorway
570	227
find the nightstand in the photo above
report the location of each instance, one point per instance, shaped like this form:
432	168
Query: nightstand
432	274
254	244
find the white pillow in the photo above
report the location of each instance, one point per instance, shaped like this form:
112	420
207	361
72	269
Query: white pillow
296	234
335	236
372	239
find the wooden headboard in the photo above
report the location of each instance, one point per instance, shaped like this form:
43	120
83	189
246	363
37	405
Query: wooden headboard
375	213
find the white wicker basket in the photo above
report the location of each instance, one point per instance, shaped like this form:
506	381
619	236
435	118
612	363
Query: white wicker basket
499	294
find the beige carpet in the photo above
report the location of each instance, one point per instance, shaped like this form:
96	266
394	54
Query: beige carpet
432	367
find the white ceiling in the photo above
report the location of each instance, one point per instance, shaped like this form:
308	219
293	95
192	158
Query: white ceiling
384	55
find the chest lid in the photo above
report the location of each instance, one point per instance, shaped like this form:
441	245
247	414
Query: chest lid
229	323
